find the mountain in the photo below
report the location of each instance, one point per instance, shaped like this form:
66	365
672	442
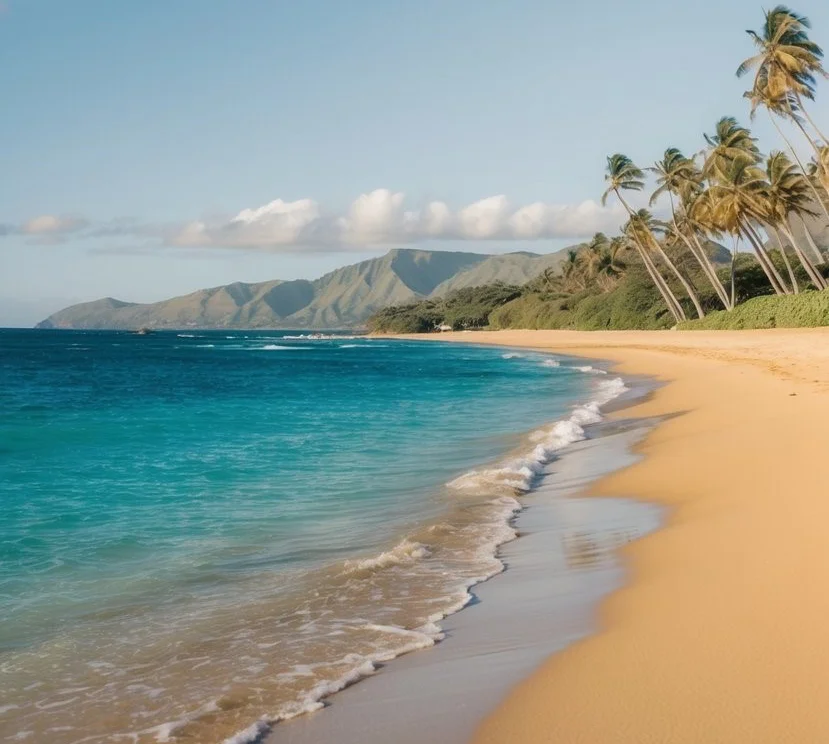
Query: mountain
344	298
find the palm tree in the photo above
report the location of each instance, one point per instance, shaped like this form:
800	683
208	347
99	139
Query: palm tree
611	265
786	64
591	255
730	142
787	59
651	227
785	106
601	260
679	178
623	175
736	181
788	194
571	271
732	203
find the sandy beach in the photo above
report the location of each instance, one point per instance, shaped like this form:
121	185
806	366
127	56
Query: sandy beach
721	633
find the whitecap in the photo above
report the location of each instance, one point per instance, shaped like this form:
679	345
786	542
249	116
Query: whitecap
519	474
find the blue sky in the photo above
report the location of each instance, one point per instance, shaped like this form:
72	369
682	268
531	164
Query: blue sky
142	142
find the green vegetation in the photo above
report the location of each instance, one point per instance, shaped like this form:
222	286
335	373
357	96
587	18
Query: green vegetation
663	272
462	309
808	310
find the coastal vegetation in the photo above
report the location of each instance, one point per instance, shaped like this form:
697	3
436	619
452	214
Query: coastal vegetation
463	309
668	266
807	310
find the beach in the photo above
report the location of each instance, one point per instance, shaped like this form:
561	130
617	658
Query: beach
720	633
564	563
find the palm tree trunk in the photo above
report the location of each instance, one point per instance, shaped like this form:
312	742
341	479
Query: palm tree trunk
667	294
792	277
678	274
762	247
809	119
818	197
670	300
774	278
811	241
733	273
701	257
811	270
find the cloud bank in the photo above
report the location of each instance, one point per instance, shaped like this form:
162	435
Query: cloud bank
379	219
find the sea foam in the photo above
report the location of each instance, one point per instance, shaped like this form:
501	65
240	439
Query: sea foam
519	473
404	552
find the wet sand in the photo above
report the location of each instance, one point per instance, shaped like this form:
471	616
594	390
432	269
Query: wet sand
563	563
721	633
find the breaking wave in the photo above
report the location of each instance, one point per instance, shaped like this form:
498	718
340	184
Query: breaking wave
518	474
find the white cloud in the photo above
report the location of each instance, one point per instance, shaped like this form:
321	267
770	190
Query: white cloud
484	219
379	218
376	218
50	224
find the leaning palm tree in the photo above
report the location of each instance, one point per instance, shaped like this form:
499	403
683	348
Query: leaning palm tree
788	195
735	203
679	178
650	227
622	175
787	61
785	106
731	141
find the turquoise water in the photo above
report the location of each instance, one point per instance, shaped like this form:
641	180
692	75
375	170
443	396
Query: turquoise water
182	502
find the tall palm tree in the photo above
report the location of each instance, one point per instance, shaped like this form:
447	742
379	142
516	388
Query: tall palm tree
622	175
732	203
786	64
731	141
788	194
650	227
731	165
679	178
785	106
787	60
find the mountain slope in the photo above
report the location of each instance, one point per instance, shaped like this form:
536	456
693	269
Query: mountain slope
510	268
344	298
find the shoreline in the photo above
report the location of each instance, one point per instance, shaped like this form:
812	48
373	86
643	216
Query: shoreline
719	636
443	692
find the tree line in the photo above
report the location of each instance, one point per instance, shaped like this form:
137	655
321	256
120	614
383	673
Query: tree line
730	189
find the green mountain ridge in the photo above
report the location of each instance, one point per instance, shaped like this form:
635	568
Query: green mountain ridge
341	299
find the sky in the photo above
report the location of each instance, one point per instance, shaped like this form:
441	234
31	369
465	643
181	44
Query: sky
148	149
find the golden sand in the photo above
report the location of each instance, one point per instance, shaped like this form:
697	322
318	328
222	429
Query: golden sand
722	633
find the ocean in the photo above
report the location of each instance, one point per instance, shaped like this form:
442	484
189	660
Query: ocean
204	533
